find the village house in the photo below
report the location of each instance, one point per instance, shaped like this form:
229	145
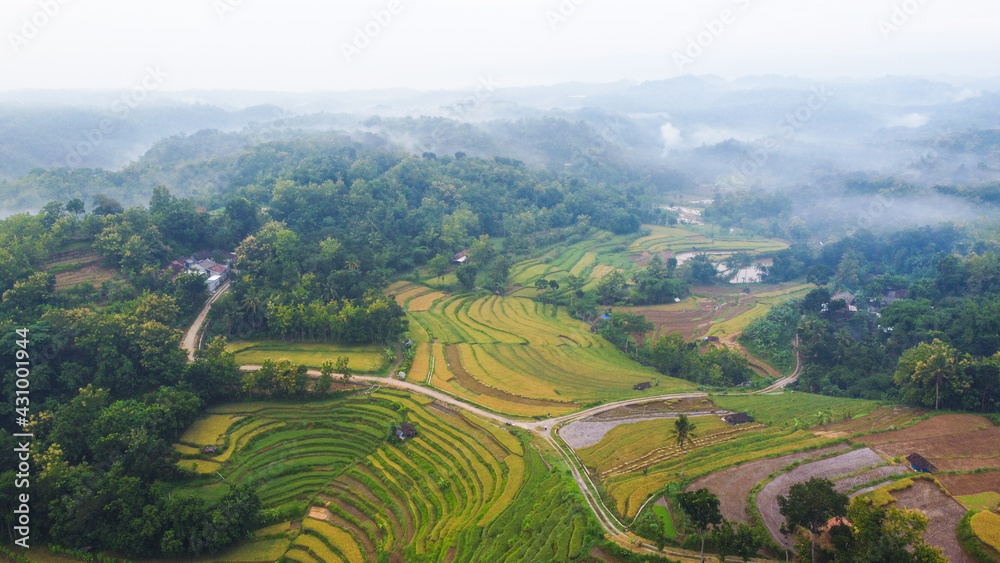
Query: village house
461	258
642	386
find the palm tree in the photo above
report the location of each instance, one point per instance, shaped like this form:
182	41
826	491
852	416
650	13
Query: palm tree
683	434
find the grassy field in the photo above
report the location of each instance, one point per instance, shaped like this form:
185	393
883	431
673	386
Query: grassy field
364	359
982	501
462	489
784	408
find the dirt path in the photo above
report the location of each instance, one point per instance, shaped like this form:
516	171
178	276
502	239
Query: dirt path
190	341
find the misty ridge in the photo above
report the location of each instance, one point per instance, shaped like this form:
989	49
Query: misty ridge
873	154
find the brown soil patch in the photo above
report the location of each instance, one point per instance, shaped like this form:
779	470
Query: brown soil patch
831	468
872	475
473	385
974	484
320	513
733	485
884	418
93	273
695	404
943	512
952	442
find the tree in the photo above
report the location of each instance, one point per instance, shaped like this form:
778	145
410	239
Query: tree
325	381
811	505
702	508
541	284
439	265
104	205
342	367
683	435
884	533
75	206
927	367
466	275
553	285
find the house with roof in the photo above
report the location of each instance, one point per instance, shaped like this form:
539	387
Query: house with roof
642	386
461	258
894	295
406	431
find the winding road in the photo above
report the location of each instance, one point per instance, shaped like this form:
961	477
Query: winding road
616	531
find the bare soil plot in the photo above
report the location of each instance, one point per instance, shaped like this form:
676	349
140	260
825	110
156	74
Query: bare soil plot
943	513
872	475
93	273
952	442
673	406
960	485
832	468
734	485
884	418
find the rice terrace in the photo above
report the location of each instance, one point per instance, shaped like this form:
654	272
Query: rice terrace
508	428
515	407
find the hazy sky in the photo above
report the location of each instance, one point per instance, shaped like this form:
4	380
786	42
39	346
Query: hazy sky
306	45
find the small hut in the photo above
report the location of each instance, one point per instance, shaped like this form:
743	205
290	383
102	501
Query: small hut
209	449
406	431
642	386
737	419
919	463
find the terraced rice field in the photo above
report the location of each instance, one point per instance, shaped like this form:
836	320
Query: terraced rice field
671	239
834	468
517	356
461	490
734	485
724	312
952	442
651	465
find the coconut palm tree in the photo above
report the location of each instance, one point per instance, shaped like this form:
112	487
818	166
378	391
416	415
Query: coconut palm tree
683	435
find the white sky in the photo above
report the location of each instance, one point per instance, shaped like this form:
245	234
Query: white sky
296	45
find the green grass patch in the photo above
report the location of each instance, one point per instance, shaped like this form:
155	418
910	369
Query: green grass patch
782	409
983	501
663	514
